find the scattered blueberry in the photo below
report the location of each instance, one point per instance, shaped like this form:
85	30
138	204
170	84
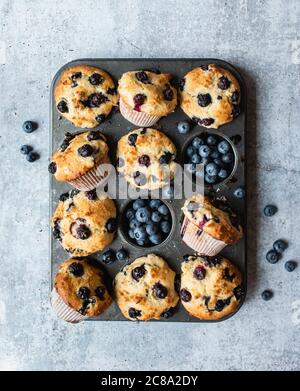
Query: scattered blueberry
32	156
109	256
280	245
270	210
272	256
183	127
121	254
25	149
239	192
267	295
29	126
290	266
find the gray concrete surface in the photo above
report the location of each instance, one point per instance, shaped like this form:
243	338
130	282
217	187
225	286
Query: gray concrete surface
262	38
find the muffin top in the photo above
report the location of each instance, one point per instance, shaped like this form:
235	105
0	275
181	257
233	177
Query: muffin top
84	222
210	95
78	154
81	286
85	95
213	216
211	287
148	92
146	158
145	289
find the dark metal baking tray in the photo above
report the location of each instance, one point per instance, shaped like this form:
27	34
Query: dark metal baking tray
116	126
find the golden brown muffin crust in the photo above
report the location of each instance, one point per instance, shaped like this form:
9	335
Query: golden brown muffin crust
85	104
82	287
220	224
211	287
80	222
136	288
160	95
202	99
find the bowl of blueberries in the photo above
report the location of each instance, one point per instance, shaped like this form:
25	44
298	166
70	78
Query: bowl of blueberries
146	222
216	152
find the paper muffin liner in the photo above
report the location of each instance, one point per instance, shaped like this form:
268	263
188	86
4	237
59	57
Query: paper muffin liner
136	117
63	311
93	178
199	240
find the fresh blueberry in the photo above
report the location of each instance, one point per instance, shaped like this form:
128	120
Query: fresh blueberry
183	127
111	225
219	162
168	192
143	214
29	126
25	149
154	204
197	142
134	224
131	234
212	169
228	158
32	157
205	160
267	295
190	151
196	159
156	216
290	266
211	140
239	192
163	210
155	238
272	256
143	242
270	210
108	256
280	245
210	179
121	254
138	204
165	227
215	154
130	214
223	147
223	174
151	228
204	150
140	233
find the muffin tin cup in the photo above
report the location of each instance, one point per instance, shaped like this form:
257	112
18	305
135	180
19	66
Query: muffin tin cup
63	311
198	240
136	117
223	183
173	249
97	176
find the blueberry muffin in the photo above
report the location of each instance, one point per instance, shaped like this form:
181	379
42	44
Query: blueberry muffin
81	160
146	158
209	224
85	95
84	222
79	291
145	289
211	287
210	96
146	96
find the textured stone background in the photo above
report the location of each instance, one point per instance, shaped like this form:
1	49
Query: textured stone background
262	38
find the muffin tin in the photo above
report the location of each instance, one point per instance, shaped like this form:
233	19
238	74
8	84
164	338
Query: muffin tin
172	249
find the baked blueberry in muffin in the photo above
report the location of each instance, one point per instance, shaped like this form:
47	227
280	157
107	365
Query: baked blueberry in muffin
210	96
79	290
85	95
81	160
146	158
211	287
145	289
146	96
84	222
